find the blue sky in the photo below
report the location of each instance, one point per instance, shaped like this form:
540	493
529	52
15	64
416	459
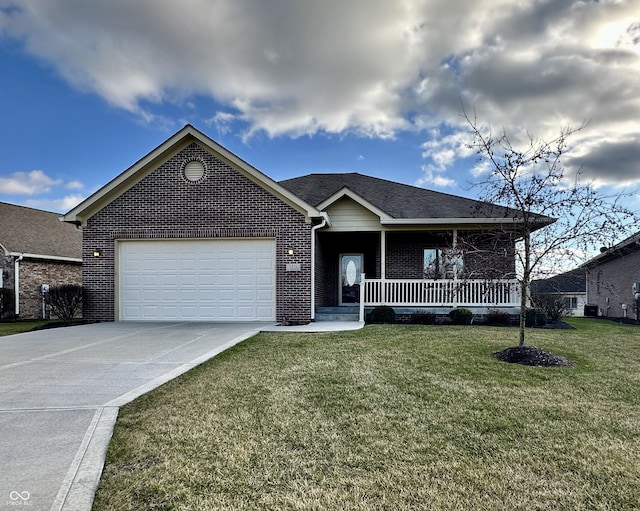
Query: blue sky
87	88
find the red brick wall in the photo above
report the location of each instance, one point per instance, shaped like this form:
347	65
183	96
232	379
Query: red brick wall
34	273
223	204
485	255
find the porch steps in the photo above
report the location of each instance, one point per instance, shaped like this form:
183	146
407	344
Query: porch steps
337	314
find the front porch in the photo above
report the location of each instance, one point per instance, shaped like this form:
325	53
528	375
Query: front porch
439	296
414	271
434	296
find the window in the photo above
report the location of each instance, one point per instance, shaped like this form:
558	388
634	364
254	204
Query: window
572	302
442	263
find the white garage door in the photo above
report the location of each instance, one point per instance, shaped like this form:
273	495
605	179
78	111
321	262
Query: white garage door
197	280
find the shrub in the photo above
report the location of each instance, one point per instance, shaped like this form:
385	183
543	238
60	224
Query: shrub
423	318
7	300
555	307
65	301
496	317
535	317
382	314
461	316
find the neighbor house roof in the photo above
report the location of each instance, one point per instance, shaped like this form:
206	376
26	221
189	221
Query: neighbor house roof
33	232
625	247
398	201
574	281
162	153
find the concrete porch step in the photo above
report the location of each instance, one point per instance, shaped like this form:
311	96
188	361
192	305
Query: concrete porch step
337	314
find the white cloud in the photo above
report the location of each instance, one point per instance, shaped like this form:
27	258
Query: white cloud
27	183
434	177
74	185
62	205
370	67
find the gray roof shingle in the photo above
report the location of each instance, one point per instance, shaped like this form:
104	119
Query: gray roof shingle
33	231
396	199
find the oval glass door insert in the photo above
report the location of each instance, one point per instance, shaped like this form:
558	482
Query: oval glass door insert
351	273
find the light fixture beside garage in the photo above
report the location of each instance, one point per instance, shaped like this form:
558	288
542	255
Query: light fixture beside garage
193	171
290	251
96	253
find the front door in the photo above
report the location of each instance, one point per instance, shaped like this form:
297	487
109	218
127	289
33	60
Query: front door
350	270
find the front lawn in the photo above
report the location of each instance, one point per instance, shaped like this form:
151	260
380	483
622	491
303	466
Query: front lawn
18	327
389	418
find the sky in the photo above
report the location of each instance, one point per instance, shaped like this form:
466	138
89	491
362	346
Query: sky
88	87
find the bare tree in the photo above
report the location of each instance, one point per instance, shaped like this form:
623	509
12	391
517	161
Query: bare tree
557	218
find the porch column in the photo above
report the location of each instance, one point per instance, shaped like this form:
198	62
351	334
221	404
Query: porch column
383	264
455	267
362	297
383	254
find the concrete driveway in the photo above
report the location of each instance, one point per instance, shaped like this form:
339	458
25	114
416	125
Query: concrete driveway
60	391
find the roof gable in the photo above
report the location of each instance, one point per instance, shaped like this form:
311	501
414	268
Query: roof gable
346	192
146	165
33	232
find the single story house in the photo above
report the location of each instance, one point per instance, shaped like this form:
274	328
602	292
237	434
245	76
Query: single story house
193	232
570	286
36	249
613	280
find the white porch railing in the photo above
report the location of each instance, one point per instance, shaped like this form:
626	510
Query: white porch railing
441	293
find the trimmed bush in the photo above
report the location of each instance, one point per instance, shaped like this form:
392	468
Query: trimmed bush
423	318
496	317
461	316
65	301
7	301
535	317
382	314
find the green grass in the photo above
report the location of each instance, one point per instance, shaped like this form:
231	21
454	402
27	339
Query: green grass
389	418
18	327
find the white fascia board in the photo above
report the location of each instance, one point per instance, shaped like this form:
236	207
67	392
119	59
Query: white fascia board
347	192
151	161
47	257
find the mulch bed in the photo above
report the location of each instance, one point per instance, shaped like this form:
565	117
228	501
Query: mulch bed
532	356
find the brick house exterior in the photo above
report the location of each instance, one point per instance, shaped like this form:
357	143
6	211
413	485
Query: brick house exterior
610	279
157	239
36	248
226	204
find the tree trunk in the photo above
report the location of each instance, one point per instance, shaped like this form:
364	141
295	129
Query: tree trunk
526	284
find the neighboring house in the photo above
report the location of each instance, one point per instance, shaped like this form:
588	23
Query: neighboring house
193	232
36	249
611	276
570	286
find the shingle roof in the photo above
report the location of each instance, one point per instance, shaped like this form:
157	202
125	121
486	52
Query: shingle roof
33	231
574	281
396	199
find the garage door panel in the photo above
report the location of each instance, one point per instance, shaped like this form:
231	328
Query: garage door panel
208	280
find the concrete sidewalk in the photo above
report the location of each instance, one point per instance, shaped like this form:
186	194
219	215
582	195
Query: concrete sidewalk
60	391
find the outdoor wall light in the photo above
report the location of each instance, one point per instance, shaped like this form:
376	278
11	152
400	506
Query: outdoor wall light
96	253
291	252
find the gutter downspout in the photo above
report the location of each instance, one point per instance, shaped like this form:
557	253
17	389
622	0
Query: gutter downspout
16	283
324	223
